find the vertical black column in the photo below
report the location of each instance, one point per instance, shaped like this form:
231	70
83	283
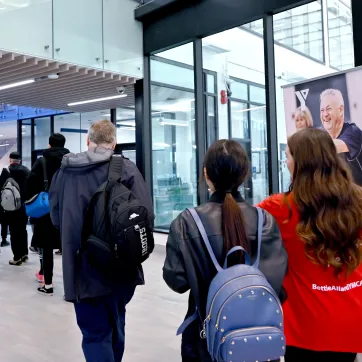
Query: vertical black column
357	31
51	124
271	104
200	119
32	134
143	124
20	137
114	116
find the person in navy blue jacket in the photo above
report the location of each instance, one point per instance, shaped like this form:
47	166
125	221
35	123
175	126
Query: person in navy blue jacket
99	302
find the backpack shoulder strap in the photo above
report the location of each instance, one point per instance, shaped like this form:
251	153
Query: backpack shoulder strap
115	169
45	176
202	230
259	235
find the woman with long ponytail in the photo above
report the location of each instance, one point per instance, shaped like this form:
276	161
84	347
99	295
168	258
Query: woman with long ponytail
229	221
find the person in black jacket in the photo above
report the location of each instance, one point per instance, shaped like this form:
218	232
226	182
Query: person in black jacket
229	221
46	236
18	219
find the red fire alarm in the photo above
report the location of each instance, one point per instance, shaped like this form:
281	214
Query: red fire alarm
224	97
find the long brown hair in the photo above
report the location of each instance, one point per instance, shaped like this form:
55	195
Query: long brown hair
329	202
227	166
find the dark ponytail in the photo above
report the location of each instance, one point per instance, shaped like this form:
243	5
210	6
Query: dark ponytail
233	229
227	166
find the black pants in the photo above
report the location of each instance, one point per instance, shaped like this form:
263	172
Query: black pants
4	230
295	354
48	264
17	221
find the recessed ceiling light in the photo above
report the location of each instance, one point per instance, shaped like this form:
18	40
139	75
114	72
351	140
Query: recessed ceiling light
97	100
17	84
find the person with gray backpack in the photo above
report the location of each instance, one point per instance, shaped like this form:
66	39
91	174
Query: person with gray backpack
12	185
230	256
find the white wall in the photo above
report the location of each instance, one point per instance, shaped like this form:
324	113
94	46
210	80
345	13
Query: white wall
96	33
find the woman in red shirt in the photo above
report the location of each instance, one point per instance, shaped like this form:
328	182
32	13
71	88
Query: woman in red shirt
320	220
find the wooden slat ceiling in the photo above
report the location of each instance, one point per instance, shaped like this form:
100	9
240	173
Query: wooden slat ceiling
75	83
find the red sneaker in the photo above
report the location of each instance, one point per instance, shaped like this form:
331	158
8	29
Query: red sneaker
39	277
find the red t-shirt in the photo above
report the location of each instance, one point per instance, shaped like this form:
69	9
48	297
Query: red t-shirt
323	312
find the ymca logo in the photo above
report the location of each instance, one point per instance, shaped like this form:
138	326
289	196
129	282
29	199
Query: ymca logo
302	96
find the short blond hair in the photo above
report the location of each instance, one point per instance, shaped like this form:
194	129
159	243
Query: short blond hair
102	132
304	111
335	93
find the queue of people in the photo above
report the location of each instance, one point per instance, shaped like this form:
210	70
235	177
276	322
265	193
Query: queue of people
288	272
18	178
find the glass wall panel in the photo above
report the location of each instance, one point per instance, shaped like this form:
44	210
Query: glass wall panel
8	141
26	27
78	32
340	34
242	79
123	50
290	68
300	28
41	132
126	125
26	142
70	126
173	144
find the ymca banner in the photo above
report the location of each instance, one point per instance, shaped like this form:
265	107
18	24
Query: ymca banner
332	103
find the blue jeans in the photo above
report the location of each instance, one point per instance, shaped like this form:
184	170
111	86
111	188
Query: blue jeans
102	322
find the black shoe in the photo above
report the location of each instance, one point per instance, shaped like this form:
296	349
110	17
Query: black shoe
16	262
25	259
5	243
33	250
45	291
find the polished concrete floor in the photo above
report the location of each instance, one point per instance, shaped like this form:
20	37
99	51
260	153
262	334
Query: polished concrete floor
36	328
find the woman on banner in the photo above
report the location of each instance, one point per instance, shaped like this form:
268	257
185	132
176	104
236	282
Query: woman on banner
320	220
303	118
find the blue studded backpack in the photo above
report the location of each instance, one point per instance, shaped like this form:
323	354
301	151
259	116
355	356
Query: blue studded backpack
244	321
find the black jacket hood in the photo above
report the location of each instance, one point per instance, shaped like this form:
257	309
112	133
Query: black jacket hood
55	153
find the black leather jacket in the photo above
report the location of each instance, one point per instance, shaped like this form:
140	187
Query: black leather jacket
188	265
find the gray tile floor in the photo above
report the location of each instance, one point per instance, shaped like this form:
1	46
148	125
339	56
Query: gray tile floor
35	328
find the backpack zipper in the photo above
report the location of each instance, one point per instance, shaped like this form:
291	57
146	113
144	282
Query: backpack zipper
245	330
255	286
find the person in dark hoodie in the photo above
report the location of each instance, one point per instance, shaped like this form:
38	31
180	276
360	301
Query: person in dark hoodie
17	219
100	302
46	236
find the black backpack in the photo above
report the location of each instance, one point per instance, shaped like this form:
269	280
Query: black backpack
117	234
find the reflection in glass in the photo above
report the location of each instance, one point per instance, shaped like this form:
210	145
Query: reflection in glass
340	34
126	125
259	153
239	120
173	153
300	28
26	143
41	132
69	126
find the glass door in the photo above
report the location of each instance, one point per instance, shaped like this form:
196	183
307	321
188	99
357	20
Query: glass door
26	142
